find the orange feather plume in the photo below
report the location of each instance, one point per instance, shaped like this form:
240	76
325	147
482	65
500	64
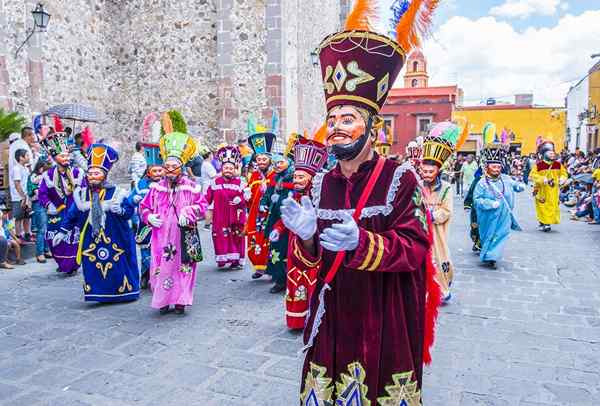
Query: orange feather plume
166	122
361	15
463	123
321	134
415	23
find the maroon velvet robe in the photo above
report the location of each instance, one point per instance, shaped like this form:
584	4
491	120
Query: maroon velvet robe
369	345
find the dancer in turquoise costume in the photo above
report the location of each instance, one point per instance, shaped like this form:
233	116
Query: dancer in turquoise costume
494	200
154	173
106	245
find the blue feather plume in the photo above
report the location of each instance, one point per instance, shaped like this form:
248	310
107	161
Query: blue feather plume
398	9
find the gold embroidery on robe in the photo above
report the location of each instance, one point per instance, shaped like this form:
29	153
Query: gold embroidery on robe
404	391
317	387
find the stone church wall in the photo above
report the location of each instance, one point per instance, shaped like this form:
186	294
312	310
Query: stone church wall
215	60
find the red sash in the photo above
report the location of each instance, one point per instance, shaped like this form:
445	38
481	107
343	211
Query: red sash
339	258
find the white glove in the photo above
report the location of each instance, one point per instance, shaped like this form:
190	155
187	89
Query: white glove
341	236
274	198
247	193
58	238
274	236
116	208
155	220
236	200
496	204
300	219
137	199
183	221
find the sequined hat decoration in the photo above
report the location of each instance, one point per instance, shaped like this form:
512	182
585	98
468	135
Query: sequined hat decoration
56	144
102	156
229	154
439	144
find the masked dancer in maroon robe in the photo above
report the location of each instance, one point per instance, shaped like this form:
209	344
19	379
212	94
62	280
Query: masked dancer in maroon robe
372	314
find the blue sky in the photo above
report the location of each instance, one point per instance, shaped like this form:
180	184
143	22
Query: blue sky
474	9
497	48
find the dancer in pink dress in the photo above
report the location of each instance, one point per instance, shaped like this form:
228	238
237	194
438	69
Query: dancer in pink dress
172	207
229	217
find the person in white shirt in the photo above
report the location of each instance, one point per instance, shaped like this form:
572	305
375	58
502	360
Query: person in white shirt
137	165
25	141
21	206
208	173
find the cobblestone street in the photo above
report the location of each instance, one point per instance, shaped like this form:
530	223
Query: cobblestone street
526	334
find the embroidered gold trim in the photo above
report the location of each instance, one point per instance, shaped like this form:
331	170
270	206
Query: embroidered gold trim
380	246
404	391
317	387
354	98
298	254
370	250
350	384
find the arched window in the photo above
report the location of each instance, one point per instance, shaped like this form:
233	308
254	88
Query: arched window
414	83
415	66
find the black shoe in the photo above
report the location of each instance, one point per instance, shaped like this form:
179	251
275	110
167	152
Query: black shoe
179	309
547	228
235	267
277	288
164	310
144	281
257	275
491	264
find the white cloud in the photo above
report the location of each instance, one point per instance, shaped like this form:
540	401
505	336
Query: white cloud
526	8
489	58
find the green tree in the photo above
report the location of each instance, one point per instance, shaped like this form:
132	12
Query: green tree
10	122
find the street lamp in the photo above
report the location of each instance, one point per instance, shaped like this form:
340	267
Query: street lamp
40	23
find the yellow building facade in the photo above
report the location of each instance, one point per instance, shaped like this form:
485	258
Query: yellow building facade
523	124
594	108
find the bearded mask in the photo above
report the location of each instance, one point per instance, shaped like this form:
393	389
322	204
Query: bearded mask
348	130
228	170
281	166
301	180
263	162
156	173
173	168
494	170
63	159
429	172
95	177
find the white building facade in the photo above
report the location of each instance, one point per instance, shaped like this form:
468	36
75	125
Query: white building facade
577	115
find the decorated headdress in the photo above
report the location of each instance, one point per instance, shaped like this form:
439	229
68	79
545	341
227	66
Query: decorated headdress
229	154
383	144
262	143
414	149
494	151
545	146
360	66
439	144
310	156
177	145
56	143
102	156
152	155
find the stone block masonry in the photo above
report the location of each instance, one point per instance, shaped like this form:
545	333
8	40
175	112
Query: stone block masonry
217	61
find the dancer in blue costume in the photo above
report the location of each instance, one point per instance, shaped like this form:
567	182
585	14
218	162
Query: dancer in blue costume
106	245
154	173
494	200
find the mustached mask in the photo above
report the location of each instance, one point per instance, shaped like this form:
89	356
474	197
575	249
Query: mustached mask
347	152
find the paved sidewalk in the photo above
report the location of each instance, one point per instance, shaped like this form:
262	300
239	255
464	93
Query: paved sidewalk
527	334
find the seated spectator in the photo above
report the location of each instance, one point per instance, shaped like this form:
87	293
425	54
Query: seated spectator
13	242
